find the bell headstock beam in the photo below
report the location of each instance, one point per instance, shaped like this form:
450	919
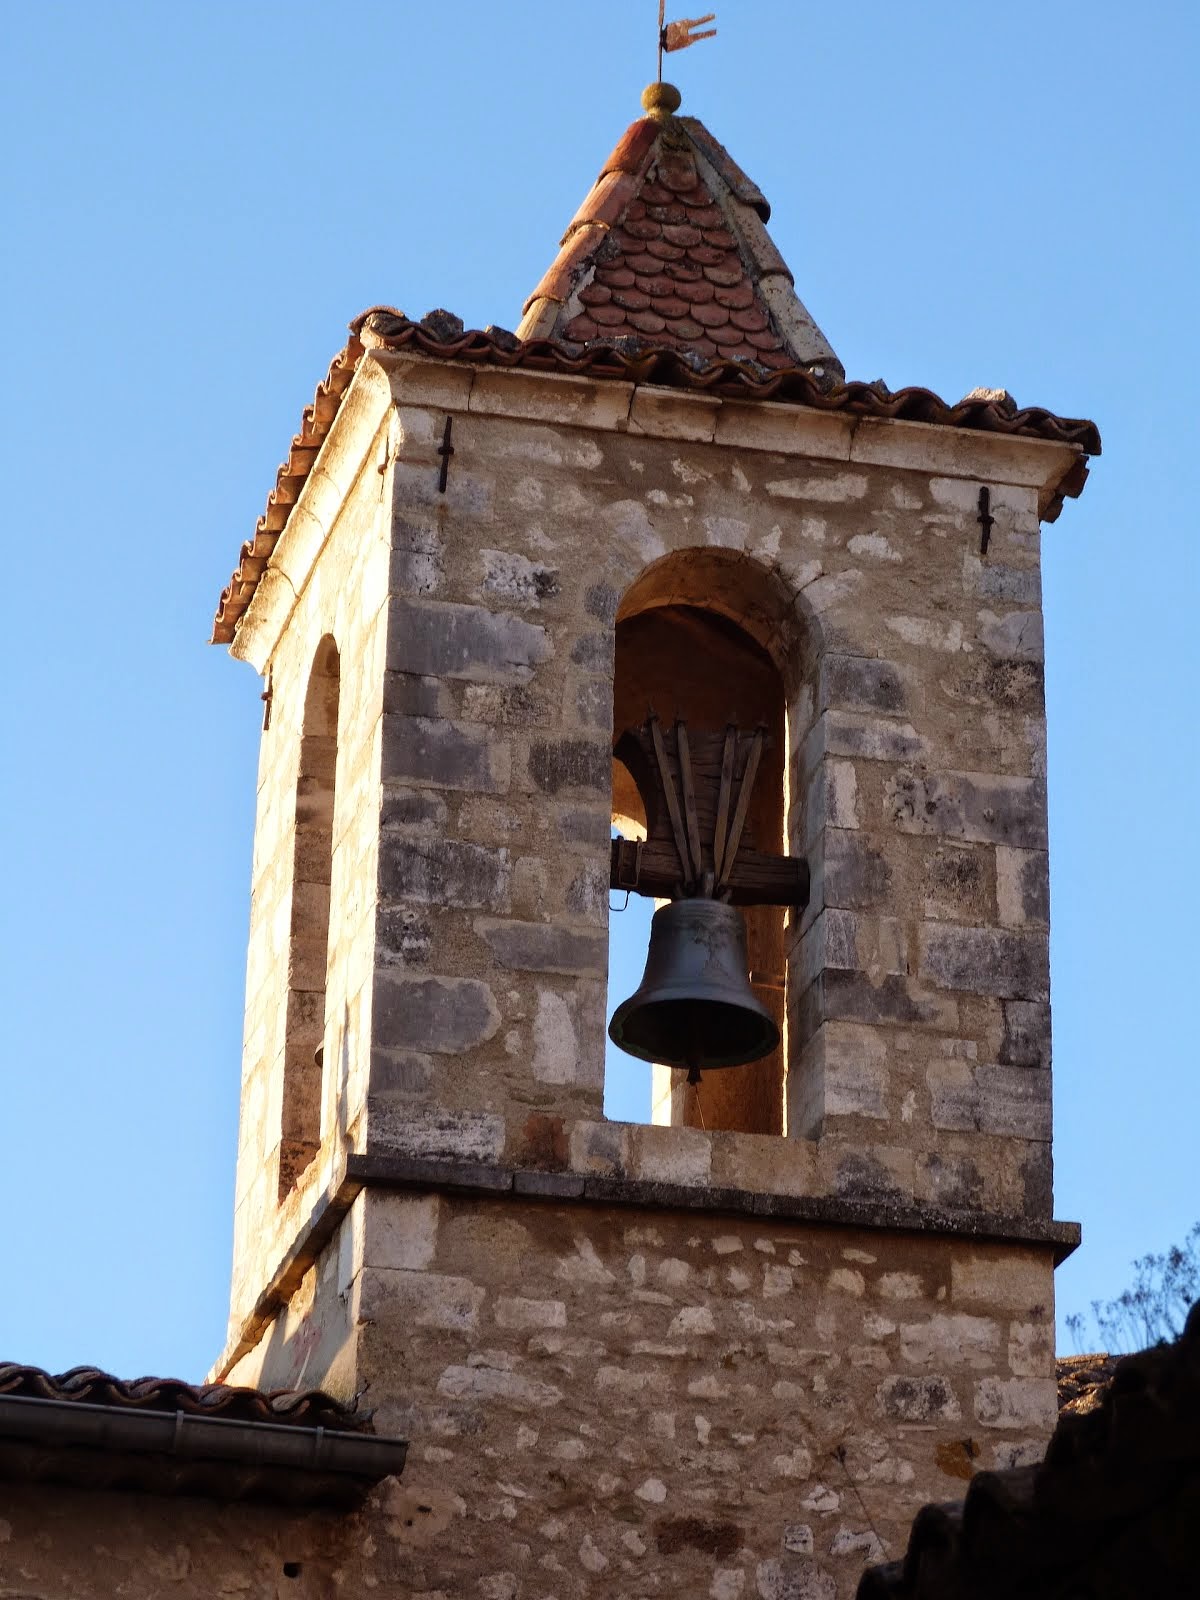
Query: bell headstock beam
695	850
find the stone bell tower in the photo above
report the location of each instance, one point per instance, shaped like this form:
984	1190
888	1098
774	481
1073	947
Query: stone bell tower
729	1353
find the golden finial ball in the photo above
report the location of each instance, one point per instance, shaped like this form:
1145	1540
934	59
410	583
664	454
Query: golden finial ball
661	99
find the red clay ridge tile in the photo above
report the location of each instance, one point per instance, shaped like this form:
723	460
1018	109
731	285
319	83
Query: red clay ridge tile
607	202
633	147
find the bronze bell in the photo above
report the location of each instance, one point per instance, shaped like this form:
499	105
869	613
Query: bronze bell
695	1007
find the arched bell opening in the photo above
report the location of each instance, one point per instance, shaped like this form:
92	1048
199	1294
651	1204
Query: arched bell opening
707	637
308	942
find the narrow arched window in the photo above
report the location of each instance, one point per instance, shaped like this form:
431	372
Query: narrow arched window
308	943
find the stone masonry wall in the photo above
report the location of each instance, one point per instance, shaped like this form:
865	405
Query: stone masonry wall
918	977
631	1402
345	597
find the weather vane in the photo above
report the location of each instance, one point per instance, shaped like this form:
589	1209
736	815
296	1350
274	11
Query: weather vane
678	35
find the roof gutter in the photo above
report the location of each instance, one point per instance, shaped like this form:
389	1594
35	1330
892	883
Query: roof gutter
187	1438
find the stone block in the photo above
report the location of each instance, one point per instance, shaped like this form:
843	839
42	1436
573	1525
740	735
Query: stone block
594	652
877	1173
413	808
416	562
969	805
1026	1038
583	825
986	961
958	881
601	1148
831	800
506	705
1010	1101
1012	1281
957	1339
860	737
494	1384
420	1299
670	1155
1014	636
1022	887
444	755
853	997
443	872
440	1015
523	1315
928	1399
558	764
953	1183
400	1230
404	1073
445	640
861	683
514	580
855	874
406	695
545	947
995	581
403	937
1017	1403
431	1135
794	1578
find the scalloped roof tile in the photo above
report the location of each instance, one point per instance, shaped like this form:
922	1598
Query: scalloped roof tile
300	1408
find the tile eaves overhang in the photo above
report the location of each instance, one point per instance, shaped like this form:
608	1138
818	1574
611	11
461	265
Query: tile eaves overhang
441	336
88	1429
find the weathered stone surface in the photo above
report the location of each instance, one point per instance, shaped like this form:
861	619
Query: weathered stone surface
1022	887
514	580
1016	1402
861	683
864	738
953	1182
854	997
952	1340
794	1578
437	1135
404	937
1026	1041
985	961
406	695
1013	635
442	1015
1012	1101
401	1072
445	640
506	705
855	873
558	764
968	805
413	808
443	872
444	755
918	1399
545	947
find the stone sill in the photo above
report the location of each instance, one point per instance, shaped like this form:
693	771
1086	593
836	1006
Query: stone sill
484	1180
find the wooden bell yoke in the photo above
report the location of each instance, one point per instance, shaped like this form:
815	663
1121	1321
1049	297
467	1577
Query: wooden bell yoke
696	787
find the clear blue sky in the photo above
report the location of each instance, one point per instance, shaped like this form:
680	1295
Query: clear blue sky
199	197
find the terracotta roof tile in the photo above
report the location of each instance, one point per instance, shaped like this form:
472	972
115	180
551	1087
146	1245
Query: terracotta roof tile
307	1408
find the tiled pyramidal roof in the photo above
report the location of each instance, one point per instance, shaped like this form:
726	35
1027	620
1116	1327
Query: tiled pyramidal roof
670	249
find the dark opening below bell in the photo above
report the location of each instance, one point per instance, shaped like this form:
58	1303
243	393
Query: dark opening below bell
694	1007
